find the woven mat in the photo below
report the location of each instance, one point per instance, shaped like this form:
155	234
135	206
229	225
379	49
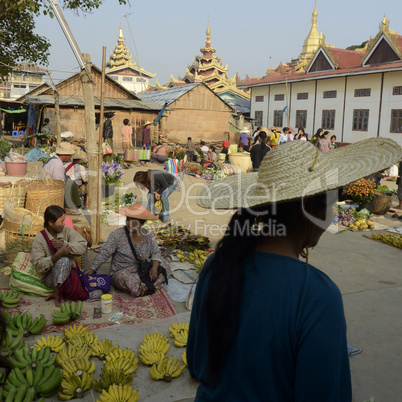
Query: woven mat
136	309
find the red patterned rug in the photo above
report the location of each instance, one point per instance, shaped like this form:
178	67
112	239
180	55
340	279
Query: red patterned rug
136	310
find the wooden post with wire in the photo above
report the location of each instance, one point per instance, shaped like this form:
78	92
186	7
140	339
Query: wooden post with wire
100	141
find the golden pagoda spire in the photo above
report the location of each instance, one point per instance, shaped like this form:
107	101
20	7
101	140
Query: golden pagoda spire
314	17
208	40
121	34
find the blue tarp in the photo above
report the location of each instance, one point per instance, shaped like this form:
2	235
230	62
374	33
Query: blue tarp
35	154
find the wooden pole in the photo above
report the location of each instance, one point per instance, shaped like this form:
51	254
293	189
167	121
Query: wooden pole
57	117
92	150
100	140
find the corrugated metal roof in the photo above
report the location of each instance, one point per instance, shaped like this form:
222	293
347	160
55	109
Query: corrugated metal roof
167	95
240	105
79	101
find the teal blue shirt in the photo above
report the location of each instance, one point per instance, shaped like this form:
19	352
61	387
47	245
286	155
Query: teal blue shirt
291	342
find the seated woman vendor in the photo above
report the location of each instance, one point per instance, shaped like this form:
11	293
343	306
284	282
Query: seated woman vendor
53	252
128	245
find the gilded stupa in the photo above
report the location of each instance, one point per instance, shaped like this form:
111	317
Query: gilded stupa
121	67
208	68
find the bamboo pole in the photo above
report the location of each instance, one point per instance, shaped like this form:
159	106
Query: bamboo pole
57	117
92	152
100	141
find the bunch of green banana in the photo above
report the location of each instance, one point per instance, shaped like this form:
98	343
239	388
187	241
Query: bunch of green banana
78	366
108	378
24	321
127	365
9	299
10	343
23	358
184	358
68	311
166	369
122	393
101	349
73	330
55	343
50	382
70	352
179	333
19	394
74	385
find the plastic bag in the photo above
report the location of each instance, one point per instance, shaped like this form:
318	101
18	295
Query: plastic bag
106	149
15	157
2	168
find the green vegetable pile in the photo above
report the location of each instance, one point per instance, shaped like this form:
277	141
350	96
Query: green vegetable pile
5	147
119	201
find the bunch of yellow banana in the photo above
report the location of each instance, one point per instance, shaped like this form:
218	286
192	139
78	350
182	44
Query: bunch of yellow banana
156	342
83	341
148	357
78	366
9	299
184	358
101	349
179	333
127	365
108	378
70	352
118	354
74	386
393	239
166	369
55	343
122	393
198	258
73	330
181	256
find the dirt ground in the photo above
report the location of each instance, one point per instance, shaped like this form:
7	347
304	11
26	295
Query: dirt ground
367	273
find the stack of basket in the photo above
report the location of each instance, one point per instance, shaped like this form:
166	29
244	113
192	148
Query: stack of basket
42	193
13	192
21	227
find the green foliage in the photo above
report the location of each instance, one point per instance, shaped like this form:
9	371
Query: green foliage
354	47
19	43
5	147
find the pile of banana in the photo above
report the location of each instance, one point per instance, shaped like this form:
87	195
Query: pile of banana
121	393
70	352
167	369
129	366
9	299
55	343
25	322
39	381
83	341
110	377
153	348
197	257
179	333
68	311
23	358
393	239
74	385
73	330
102	349
9	343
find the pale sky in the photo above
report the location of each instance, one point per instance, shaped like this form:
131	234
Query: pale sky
249	35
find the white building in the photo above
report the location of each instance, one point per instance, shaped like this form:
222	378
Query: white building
354	94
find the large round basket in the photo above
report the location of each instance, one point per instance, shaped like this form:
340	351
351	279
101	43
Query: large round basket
242	159
20	236
382	203
15	192
42	193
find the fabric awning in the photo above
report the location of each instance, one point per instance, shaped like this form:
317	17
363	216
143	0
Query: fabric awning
13	111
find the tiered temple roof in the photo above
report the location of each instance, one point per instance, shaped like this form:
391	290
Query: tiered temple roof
120	58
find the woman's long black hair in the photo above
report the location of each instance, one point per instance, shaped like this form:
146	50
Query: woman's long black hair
225	286
52	213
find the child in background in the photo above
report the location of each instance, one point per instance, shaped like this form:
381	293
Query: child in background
190	149
333	142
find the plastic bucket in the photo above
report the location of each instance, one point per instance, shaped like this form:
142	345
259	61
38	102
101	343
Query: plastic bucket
106	303
16	168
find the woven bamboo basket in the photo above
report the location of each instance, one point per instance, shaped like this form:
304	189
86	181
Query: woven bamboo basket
42	193
14	192
382	203
20	236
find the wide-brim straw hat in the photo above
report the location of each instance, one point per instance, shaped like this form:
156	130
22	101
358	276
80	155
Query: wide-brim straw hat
273	128
298	169
77	154
65	148
138	211
147	123
245	130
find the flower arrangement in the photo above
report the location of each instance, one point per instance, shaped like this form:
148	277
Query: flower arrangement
361	191
111	173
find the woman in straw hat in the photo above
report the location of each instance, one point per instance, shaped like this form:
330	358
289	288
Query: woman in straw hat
124	268
78	173
264	325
